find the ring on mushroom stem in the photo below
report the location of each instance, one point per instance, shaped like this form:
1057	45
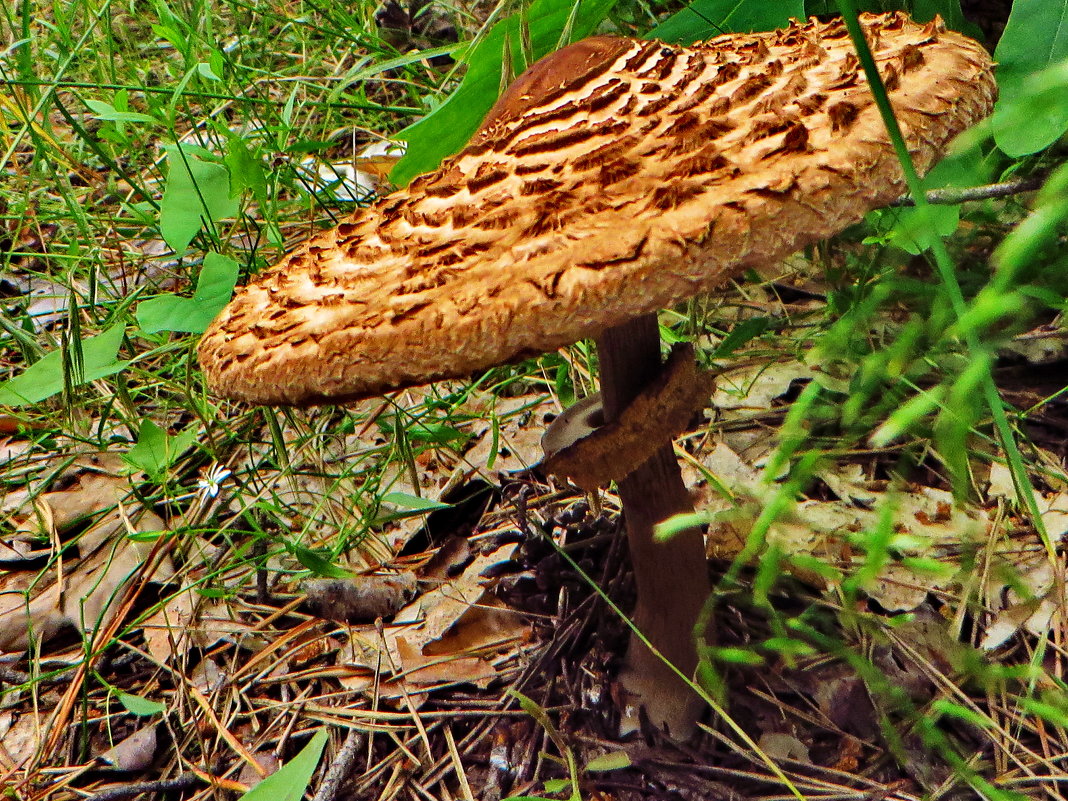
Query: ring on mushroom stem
613	178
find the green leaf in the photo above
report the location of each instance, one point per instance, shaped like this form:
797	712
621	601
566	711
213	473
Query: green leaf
613	760
142	707
412	502
905	416
915	230
206	71
788	646
1035	37
156	451
1031	113
438	433
108	113
742	333
316	563
942	706
197	192
704	19
290	782
44	378
192	315
736	656
675	524
448	127
1055	714
246	170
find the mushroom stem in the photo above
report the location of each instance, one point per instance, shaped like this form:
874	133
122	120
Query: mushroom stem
671	577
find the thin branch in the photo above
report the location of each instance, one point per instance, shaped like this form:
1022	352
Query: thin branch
949	197
340	767
187	781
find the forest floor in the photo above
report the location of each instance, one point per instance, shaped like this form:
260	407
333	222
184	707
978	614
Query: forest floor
194	593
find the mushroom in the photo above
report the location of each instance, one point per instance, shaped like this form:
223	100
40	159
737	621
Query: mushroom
614	178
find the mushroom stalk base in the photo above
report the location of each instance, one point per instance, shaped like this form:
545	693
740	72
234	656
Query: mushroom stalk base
671	577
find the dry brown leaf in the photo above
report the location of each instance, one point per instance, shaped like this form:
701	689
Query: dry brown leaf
927	523
756	387
20	738
263	764
516	444
83	591
451	625
780	745
135	752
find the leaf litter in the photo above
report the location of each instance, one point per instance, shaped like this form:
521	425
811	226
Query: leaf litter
458	627
242	674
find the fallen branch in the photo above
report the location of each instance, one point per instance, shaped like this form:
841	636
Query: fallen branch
952	196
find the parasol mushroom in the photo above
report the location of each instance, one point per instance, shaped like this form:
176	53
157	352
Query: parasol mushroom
612	179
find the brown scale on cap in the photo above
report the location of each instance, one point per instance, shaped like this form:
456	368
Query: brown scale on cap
614	178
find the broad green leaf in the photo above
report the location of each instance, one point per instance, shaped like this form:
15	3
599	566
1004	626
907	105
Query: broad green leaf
1035	37
170	312
44	378
206	71
557	785
914	229
704	19
290	782
198	192
613	760
820	7
448	127
142	707
1033	114
316	562
412	502
156	451
108	113
246	170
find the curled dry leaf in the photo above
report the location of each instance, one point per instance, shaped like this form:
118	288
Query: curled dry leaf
446	635
84	589
186	618
757	387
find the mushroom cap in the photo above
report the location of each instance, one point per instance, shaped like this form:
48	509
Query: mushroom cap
614	178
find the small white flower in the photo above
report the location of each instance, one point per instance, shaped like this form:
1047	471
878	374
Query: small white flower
209	485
